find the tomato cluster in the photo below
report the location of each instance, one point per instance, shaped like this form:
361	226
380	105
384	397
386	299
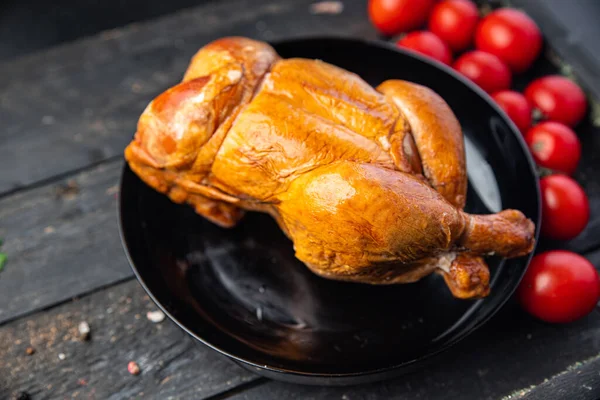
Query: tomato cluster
559	286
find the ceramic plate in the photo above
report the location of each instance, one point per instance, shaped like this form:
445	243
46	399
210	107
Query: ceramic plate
242	292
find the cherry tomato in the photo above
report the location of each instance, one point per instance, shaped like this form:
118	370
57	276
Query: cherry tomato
559	286
516	107
558	99
427	43
485	69
454	21
565	207
554	146
395	16
511	35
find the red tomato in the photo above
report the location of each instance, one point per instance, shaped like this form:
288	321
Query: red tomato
565	207
454	21
558	99
559	286
395	16
427	43
554	146
511	35
485	69
516	107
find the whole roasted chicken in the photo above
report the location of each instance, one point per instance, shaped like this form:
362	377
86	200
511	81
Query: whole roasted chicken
368	183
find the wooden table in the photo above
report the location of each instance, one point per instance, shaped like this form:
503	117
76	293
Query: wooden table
66	115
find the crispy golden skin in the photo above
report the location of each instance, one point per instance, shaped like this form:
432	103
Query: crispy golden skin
368	183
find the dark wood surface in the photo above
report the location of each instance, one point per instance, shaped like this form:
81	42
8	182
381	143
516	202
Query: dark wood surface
171	363
30	25
581	381
82	100
67	114
573	31
62	240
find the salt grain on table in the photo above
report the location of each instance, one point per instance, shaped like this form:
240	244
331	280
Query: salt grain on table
133	368
259	313
155	316
327	7
84	330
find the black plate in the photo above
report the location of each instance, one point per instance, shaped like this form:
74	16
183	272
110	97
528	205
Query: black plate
243	293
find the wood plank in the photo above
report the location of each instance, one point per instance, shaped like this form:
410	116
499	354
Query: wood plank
23	32
572	32
78	104
61	240
172	365
511	351
580	381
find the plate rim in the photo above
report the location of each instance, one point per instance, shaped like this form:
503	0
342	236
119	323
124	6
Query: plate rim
324	378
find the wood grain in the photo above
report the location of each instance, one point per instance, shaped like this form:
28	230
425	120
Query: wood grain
172	365
61	240
581	381
78	104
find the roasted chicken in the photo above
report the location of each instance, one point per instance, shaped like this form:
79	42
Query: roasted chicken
368	183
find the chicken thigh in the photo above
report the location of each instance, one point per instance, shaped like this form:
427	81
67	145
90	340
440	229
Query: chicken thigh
368	183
